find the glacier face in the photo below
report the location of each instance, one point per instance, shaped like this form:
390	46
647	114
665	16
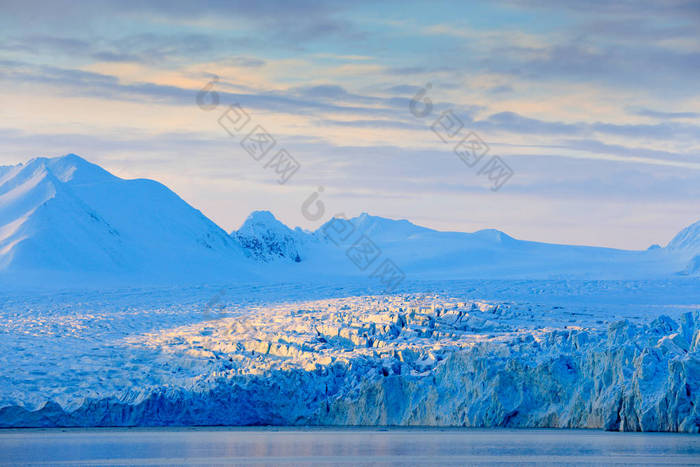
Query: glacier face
413	358
628	378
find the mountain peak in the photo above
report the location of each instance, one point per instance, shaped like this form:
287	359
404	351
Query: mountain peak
262	216
366	219
68	168
65	159
494	235
262	221
265	238
383	225
71	157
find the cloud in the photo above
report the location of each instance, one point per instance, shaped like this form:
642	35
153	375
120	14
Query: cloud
419	70
105	86
306	100
513	122
324	103
37	43
636	154
247	62
665	115
325	91
629	67
142	47
502	89
376	124
403	89
279	20
629	9
106	56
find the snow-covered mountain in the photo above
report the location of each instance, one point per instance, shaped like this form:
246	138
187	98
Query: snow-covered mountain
264	238
427	253
687	240
65	219
686	244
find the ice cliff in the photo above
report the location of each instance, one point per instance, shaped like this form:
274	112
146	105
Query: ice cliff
454	364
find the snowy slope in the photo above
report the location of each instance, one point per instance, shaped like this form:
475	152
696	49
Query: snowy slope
687	245
687	240
65	219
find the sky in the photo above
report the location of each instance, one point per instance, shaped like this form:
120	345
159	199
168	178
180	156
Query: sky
594	107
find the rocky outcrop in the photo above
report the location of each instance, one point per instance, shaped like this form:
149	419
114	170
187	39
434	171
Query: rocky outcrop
266	239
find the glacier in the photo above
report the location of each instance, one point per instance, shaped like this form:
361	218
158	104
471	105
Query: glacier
280	357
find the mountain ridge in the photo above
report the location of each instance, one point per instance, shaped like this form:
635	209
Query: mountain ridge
68	217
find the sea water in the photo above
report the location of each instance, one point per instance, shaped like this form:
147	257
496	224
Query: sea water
333	446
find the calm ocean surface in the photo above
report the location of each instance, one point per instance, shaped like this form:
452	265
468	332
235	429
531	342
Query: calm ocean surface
271	446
